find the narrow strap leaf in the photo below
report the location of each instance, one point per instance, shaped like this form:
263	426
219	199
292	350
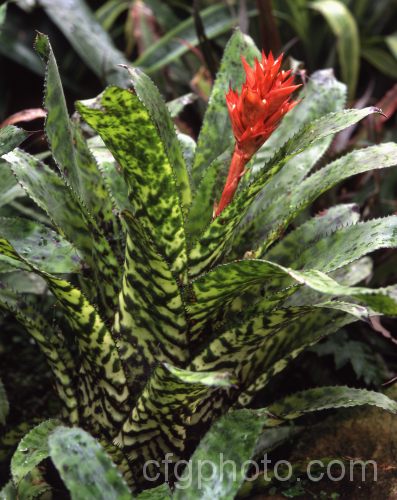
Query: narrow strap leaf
150	323
356	162
49	191
68	146
125	126
323	398
152	99
287	252
52	345
173	408
106	382
212	243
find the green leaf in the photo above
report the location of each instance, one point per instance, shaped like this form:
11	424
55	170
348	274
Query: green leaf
381	60
3	12
151	324
274	351
172	410
4	406
105	378
51	342
9	188
8	492
216	237
158	111
84	467
344	27
125	126
217	19
162	492
10	138
88	38
232	438
69	148
356	162
32	450
179	103
50	192
33	485
288	251
323	398
40	245
348	244
216	132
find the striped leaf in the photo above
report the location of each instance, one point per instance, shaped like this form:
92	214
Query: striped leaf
150	323
216	237
216	132
50	192
153	101
125	126
103	389
170	415
52	344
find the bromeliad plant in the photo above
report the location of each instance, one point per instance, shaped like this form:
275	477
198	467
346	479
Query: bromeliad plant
175	317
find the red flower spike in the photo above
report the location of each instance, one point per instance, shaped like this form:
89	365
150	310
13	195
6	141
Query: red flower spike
254	114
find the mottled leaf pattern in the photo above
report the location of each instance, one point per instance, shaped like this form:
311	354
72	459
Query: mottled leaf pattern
124	125
151	98
10	138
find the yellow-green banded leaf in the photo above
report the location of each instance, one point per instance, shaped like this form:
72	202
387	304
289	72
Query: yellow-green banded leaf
216	237
216	132
40	245
32	449
216	289
170	414
151	321
231	439
125	126
50	192
84	467
103	379
288	251
10	138
152	99
69	148
4	406
322	398
93	44
277	348
52	344
344	27
356	162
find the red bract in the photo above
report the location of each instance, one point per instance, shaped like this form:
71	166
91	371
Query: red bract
255	113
